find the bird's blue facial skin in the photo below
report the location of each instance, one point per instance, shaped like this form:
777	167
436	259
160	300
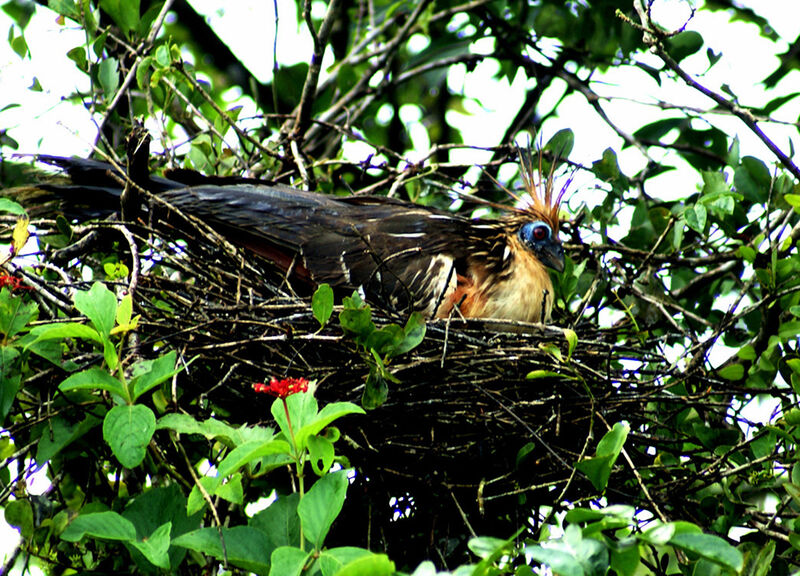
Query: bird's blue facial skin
538	236
533	233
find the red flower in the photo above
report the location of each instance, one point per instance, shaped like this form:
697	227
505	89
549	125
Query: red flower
12	282
282	388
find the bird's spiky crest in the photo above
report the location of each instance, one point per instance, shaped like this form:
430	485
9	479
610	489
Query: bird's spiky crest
542	202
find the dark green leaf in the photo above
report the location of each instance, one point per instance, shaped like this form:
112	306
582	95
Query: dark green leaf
413	334
684	44
561	143
559	561
598	469
104	525
350	561
19	513
251	452
696	217
94	379
210	428
320	454
288	561
155	546
321	505
279	523
147	374
710	547
99	305
128	430
60	434
108	76
15	313
244	546
322	304
376	391
8	205
125	13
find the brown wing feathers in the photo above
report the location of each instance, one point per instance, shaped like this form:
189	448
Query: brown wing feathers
392	251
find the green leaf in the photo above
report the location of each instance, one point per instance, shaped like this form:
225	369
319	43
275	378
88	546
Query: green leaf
244	546
279	522
322	304
386	340
99	305
61	434
625	557
792	417
125	310
758	558
330	413
232	490
486	547
351	561
598	469
376	391
125	13
9	385
108	76
413	334
196	501
250	452
147	374
536	374
19	513
661	533
8	205
559	561
15	313
65	330
561	143
320	454
155	546
788	330
793	200
128	430
710	547
684	44
288	561
103	525
696	217
752	179
321	505
356	318
212	428
731	372
94	378
302	409
572	341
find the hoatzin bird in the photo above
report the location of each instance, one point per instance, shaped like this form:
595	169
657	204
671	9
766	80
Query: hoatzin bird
399	255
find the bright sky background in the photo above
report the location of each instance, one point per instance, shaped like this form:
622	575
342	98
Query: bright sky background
45	123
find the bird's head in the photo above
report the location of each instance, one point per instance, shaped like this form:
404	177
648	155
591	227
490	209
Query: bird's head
540	238
539	219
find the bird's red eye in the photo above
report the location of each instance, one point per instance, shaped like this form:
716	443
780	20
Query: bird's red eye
540	232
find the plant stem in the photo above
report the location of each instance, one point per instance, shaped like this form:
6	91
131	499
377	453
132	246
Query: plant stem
298	461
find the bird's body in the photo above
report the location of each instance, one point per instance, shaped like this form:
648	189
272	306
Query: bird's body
397	254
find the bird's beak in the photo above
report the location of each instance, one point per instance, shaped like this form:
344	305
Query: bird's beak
552	256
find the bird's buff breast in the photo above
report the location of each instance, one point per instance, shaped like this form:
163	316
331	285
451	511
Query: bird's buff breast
524	293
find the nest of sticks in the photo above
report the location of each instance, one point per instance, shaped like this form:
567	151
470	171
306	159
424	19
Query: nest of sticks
466	441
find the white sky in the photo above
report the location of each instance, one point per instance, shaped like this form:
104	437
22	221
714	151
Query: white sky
47	123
